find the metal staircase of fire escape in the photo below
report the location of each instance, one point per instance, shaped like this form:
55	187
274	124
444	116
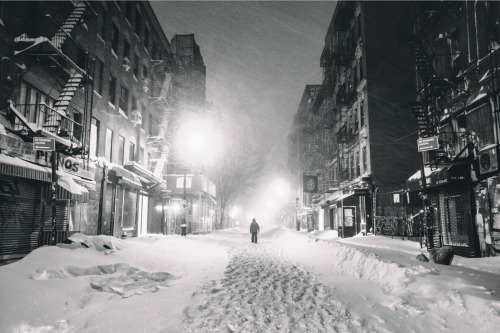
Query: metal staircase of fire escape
75	80
424	109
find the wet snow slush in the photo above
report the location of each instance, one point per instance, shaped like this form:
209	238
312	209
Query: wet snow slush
264	292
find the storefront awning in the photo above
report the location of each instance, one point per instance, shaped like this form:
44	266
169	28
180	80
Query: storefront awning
141	171
440	176
17	167
124	177
76	191
343	196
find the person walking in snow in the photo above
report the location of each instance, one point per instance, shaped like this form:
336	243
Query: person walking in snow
254	229
183	227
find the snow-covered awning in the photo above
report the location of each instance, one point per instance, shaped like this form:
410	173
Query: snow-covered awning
124	177
75	191
343	196
440	176
15	166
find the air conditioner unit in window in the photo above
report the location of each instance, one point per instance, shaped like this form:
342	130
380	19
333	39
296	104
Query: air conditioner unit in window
488	160
135	117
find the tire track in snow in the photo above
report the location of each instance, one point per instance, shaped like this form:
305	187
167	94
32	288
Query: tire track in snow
264	292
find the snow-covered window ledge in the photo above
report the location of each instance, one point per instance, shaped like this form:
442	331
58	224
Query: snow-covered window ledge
122	113
111	105
101	39
114	54
97	94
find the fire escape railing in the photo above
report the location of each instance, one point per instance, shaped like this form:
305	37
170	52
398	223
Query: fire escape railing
46	118
54	47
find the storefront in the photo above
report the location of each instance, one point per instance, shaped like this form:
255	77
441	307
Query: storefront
120	202
450	220
23	192
152	200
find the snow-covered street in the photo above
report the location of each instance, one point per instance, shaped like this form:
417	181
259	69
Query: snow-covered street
289	282
264	292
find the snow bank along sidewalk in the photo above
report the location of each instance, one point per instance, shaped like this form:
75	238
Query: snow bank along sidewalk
264	292
388	289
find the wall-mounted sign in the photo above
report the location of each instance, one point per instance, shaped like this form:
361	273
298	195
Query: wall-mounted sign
361	192
431	143
43	143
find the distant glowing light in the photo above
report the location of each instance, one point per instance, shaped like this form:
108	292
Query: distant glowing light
280	187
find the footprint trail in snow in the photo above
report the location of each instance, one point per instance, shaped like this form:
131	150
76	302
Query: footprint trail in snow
264	292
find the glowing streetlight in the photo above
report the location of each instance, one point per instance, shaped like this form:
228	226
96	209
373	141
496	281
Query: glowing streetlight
198	142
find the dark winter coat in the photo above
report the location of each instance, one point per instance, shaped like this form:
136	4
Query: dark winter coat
254	227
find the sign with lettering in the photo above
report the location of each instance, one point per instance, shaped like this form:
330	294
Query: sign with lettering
431	143
43	143
66	163
361	192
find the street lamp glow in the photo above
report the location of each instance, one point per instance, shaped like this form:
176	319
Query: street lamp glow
198	141
280	187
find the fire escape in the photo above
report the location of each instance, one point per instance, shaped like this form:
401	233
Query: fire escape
55	48
159	102
425	89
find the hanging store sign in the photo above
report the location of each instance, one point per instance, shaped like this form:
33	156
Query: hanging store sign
310	184
44	144
361	192
425	144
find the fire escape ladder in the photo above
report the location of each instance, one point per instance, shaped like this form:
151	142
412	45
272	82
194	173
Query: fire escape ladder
69	24
68	92
423	121
61	104
422	61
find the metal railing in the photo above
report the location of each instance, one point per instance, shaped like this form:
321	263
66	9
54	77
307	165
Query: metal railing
47	118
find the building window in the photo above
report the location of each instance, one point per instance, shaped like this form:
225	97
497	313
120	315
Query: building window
126	49
124	99
145	118
112	89
359	25
145	72
480	125
355	75
102	23
138	20
109	145
361	73
362	113
151	126
121	150
141	155
356	121
154	51
131	151
353	39
146	37
100	76
76	126
365	162
134	103
128	11
115	34
136	66
94	138
358	167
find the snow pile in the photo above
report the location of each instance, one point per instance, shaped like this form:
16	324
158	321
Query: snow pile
289	281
